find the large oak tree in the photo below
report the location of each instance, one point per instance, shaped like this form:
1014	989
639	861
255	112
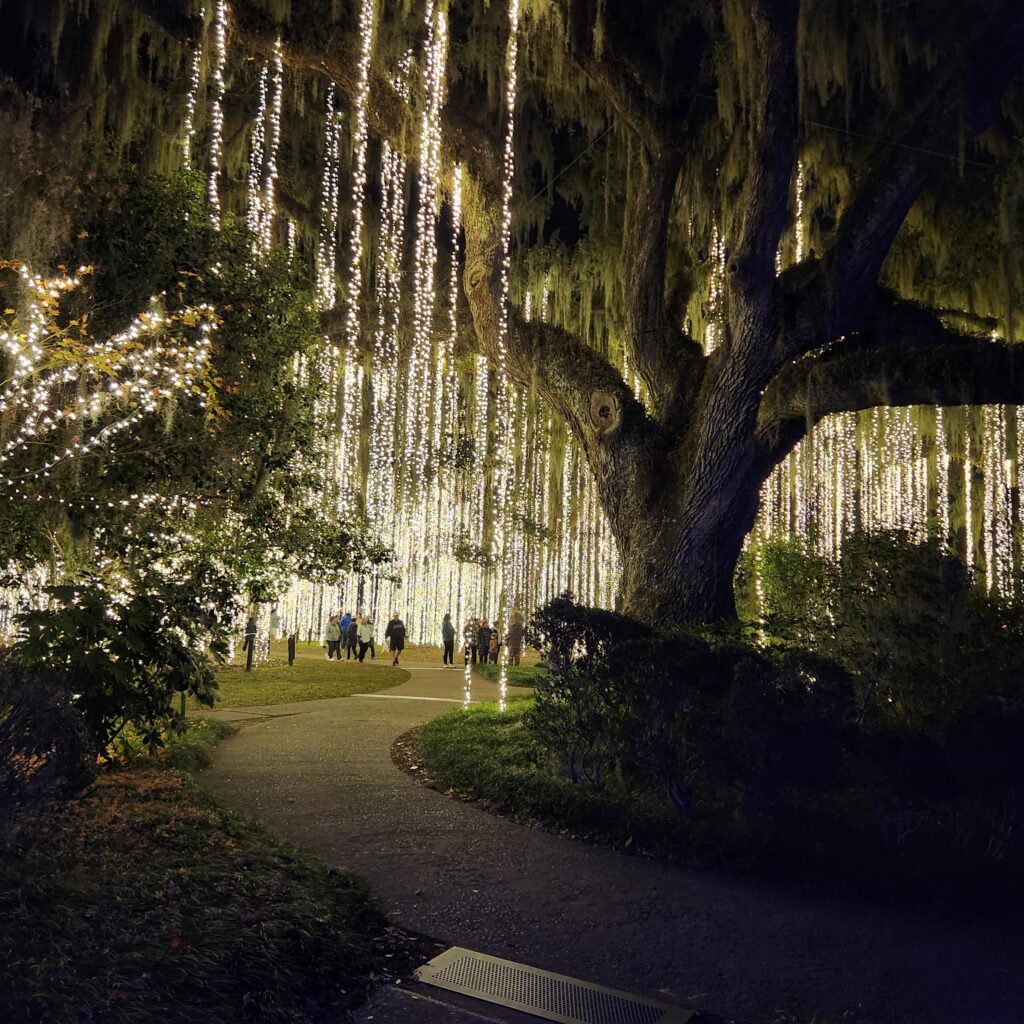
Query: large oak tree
646	130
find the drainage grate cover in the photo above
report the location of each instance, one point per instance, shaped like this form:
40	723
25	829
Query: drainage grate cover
541	993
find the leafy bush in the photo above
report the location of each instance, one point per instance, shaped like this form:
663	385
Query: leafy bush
921	640
126	653
702	714
576	702
710	718
769	752
44	752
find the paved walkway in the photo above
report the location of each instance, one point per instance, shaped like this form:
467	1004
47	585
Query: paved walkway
320	774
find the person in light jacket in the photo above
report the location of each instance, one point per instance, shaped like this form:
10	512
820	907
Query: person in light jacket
514	640
448	638
332	634
364	632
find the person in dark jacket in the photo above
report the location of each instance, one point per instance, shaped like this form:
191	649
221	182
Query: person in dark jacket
249	643
448	638
483	640
351	639
395	633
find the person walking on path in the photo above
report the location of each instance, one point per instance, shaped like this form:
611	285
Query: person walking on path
351	637
395	633
364	632
346	621
495	643
514	640
332	634
373	646
249	643
448	636
469	637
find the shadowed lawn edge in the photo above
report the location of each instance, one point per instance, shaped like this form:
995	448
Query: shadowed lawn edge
487	755
147	900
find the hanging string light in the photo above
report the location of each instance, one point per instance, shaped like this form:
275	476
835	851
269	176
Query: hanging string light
192	99
352	386
273	143
220	28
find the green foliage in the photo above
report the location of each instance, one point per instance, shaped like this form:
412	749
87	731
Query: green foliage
767	756
128	647
571	716
44	753
904	617
191	748
245	459
697	711
148	901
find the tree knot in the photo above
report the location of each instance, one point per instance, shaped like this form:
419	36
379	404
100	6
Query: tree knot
605	412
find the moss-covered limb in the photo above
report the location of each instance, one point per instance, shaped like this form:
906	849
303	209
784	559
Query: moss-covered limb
469	134
670	365
767	181
961	97
176	22
909	358
627	99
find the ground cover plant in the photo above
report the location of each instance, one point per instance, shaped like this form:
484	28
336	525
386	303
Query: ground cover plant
483	753
146	901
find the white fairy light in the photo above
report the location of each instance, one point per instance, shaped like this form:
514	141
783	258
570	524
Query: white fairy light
254	213
352	363
217	111
273	143
195	79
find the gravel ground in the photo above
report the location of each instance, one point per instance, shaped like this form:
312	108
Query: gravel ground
320	774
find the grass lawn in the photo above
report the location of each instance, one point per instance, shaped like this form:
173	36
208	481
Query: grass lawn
482	753
312	677
526	674
145	901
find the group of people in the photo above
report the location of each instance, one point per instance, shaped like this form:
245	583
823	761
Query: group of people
354	633
483	641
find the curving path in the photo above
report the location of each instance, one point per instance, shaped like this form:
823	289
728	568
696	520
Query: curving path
320	775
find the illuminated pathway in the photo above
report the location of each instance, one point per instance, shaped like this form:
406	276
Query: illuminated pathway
320	774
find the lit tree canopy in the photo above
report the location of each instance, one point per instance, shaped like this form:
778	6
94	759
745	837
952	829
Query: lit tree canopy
764	212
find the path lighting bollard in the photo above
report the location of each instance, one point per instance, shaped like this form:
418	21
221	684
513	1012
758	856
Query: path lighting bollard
291	649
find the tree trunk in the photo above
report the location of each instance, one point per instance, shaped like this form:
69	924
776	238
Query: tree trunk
680	567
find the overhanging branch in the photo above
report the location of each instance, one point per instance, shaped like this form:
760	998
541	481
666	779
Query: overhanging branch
908	357
902	167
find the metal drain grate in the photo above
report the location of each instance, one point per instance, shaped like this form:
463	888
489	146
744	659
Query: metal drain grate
541	993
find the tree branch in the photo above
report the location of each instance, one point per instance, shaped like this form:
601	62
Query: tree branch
901	169
665	360
907	357
767	183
